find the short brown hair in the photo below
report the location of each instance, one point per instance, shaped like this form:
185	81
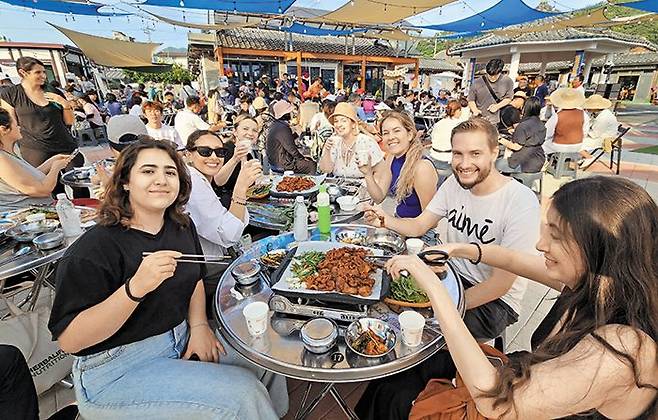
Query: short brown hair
452	107
116	208
152	105
478	124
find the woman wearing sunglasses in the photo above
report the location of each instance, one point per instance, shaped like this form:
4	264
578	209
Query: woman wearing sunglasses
134	322
241	146
218	226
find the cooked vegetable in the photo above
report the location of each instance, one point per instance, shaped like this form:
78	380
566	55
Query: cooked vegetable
405	289
307	264
258	191
273	258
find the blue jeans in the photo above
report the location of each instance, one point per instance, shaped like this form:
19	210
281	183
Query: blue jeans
148	380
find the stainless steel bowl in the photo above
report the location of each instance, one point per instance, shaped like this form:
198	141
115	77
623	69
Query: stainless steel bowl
319	335
49	240
379	327
351	236
386	240
246	273
21	233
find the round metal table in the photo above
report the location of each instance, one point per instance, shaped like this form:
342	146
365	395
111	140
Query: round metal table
280	349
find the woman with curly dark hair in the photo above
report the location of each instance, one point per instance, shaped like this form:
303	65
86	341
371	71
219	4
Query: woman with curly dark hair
132	315
594	355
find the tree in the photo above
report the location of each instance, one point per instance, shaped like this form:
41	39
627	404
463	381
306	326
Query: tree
177	74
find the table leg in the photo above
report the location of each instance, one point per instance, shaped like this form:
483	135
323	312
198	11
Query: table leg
36	288
351	415
305	411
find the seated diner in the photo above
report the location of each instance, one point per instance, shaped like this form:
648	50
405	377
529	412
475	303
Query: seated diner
132	359
408	176
527	154
21	184
594	355
340	152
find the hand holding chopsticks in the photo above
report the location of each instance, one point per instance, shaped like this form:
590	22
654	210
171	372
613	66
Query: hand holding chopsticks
199	259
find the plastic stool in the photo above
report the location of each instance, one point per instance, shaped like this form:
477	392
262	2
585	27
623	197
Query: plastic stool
559	164
86	137
528	179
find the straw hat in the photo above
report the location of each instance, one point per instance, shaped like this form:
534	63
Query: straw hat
346	110
568	98
282	108
597	102
259	103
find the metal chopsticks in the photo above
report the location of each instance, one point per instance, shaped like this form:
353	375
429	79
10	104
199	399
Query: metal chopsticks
203	259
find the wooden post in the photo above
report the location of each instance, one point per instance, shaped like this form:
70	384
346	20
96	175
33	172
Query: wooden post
340	68
363	72
300	83
416	74
219	55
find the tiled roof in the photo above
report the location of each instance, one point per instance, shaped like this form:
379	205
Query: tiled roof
553	35
437	64
636	59
272	40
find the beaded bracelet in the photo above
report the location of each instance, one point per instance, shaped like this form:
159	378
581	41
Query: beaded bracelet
240	201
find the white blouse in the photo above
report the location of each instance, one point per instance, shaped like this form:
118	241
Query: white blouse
344	159
217	227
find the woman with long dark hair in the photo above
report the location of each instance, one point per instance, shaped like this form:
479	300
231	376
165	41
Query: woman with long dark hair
526	143
134	317
595	353
411	178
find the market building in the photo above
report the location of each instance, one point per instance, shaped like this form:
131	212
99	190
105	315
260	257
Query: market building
59	60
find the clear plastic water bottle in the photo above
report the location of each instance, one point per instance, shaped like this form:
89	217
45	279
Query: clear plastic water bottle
300	227
69	217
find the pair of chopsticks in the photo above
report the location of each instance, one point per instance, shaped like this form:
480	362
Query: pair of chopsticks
203	259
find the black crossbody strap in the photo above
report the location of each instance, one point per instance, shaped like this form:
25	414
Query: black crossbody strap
491	91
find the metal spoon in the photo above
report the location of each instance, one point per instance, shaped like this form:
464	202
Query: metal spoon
17	255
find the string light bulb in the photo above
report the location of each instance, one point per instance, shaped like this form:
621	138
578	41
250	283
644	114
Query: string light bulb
182	3
482	24
352	2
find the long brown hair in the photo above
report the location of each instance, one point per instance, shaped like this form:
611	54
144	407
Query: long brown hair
116	208
614	223
405	183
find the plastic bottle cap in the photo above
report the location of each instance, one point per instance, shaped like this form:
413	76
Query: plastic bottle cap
299	199
323	188
62	196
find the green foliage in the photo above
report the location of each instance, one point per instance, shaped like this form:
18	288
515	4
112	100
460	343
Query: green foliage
646	29
177	74
546	6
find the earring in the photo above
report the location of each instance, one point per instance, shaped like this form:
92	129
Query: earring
125	188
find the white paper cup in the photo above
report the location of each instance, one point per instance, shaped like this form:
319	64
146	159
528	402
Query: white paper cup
288	173
256	315
414	246
411	324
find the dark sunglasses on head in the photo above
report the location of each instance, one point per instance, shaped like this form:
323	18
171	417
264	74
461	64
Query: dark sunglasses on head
205	151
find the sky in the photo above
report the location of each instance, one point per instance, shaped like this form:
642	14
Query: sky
19	25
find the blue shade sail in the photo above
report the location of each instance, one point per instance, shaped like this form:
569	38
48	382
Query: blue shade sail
89	9
504	13
644	5
240	6
299	28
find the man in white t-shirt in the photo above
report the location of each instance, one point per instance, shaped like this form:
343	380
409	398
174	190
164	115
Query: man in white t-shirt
481	206
187	121
155	127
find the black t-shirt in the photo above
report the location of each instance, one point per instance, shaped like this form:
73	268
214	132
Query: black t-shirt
42	127
225	192
101	261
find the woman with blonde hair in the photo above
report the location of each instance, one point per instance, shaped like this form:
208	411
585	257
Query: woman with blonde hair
340	152
412	179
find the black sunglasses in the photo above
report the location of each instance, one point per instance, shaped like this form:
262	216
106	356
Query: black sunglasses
205	151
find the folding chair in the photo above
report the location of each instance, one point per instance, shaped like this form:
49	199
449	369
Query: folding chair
611	146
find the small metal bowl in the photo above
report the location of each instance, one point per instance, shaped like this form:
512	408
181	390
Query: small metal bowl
388	241
49	240
21	233
379	327
270	259
350	236
319	335
246	273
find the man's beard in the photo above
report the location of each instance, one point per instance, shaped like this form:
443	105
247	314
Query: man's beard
483	173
